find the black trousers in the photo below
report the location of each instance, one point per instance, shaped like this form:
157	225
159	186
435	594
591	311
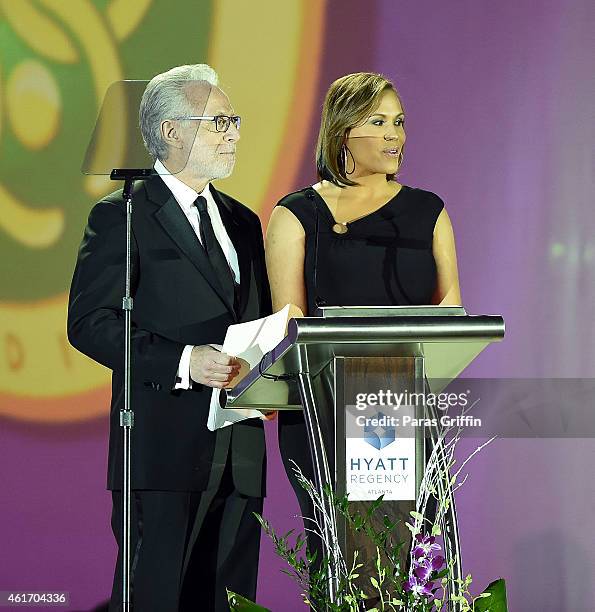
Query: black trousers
188	547
294	446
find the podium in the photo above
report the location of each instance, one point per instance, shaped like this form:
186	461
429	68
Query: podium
337	368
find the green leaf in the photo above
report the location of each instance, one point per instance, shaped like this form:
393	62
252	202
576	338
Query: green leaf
260	519
458	597
412	529
237	603
496	601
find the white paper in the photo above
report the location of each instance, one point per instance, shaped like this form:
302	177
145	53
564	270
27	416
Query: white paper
249	341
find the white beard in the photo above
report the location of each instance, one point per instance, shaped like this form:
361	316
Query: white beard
210	165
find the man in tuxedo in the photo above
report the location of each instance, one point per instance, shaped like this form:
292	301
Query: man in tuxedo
197	267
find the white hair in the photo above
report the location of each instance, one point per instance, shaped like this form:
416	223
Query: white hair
164	98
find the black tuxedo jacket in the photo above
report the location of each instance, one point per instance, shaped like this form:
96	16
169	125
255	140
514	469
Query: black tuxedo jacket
177	301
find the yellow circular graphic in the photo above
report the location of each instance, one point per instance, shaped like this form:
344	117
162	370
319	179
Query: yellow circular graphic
33	104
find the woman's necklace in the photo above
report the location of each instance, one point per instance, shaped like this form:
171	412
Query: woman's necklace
340	227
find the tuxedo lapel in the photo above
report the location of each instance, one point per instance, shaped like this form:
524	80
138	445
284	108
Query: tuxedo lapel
172	219
241	244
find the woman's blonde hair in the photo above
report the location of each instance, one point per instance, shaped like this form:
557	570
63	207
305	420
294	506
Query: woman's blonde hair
349	101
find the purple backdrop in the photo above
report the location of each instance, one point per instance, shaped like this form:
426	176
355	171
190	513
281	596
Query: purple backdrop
499	100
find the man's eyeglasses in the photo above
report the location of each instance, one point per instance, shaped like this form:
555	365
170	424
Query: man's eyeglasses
222	122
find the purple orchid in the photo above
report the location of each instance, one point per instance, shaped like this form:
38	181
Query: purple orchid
424	561
418	587
424	566
425	546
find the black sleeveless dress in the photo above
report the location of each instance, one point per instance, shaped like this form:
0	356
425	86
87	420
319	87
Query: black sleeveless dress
384	259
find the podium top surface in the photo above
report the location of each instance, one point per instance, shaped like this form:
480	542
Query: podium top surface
328	312
373	326
446	337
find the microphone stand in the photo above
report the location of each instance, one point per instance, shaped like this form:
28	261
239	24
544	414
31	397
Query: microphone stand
129	176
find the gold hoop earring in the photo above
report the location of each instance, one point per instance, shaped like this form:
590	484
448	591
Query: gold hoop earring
344	152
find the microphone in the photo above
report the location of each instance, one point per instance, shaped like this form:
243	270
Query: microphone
318	301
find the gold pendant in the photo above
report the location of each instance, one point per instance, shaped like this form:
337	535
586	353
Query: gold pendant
340	228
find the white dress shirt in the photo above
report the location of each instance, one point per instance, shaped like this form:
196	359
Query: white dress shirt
185	197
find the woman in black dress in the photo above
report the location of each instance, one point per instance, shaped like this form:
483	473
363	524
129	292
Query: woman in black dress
357	237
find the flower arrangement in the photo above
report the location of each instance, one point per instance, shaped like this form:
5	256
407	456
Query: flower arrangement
429	581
